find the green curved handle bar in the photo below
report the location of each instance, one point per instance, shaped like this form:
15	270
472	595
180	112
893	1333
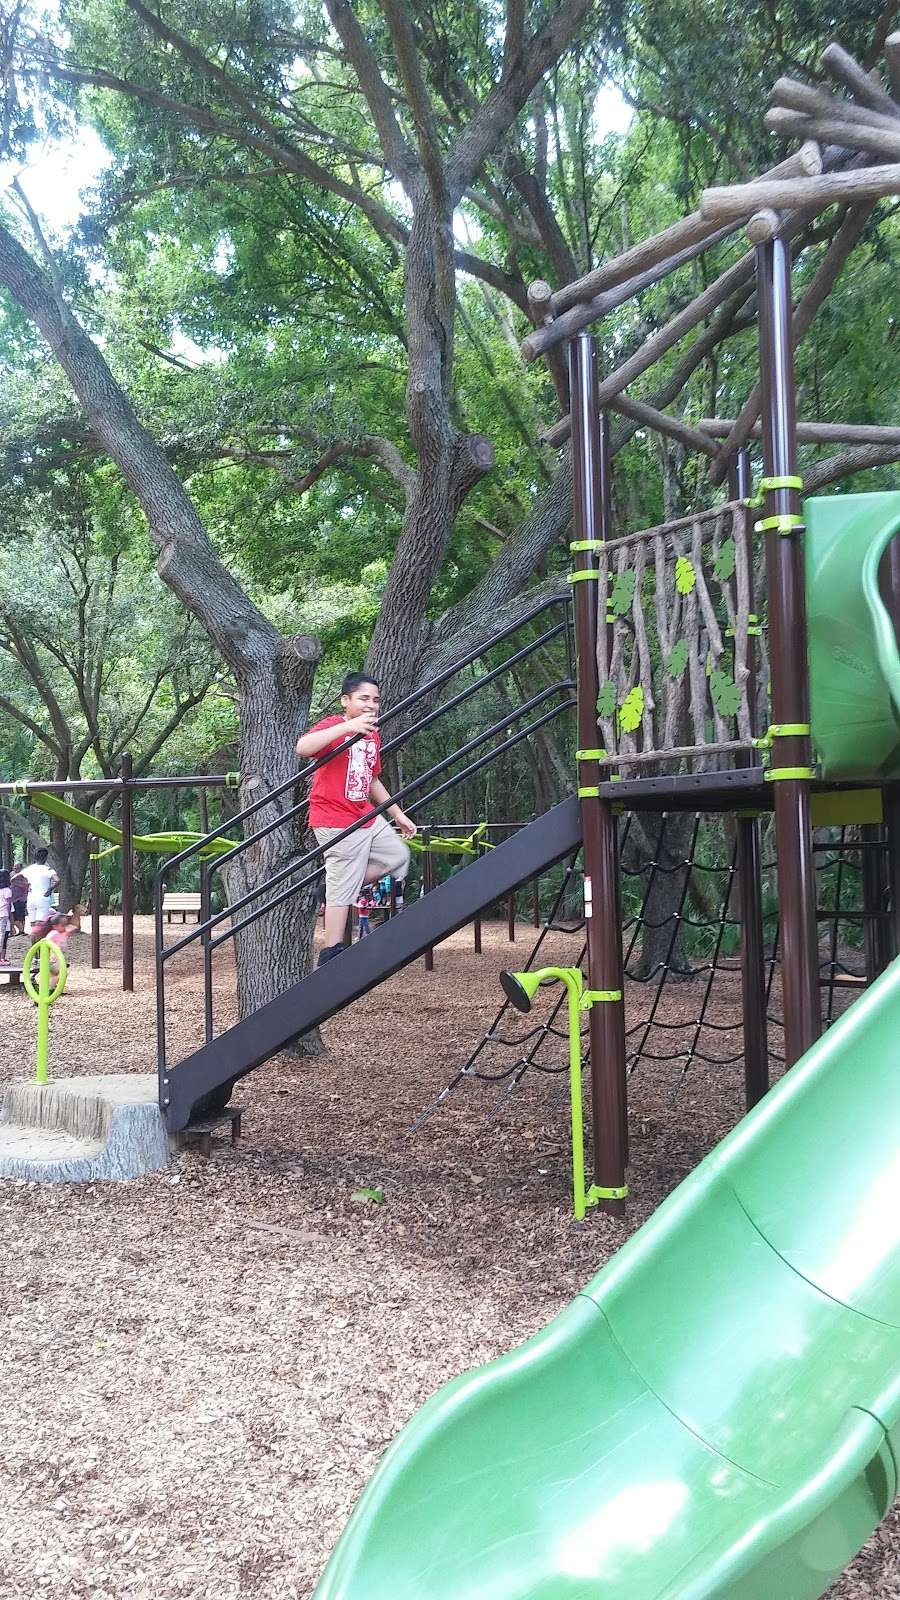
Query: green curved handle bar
885	638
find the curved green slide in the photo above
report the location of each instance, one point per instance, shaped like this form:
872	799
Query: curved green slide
159	843
716	1414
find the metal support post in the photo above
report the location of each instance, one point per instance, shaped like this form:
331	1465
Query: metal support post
790	768
601	864
749	858
127	875
95	912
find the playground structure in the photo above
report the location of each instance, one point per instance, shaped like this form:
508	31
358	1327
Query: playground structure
46	797
636	1419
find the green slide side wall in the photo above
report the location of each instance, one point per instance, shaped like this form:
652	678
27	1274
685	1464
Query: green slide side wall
717	1414
854	666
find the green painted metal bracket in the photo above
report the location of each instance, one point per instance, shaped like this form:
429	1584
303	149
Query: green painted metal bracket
765	484
786	522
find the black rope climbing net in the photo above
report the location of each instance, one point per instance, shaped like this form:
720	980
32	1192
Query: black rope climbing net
681	944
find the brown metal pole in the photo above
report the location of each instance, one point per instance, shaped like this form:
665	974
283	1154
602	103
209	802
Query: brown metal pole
874	890
427	885
889	585
476	924
787	656
606	1018
127	876
95	913
536	902
749	861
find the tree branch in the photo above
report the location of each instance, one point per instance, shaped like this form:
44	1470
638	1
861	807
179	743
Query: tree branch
496	116
398	20
397	152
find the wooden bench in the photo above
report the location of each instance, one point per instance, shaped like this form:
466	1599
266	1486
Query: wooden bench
183	903
203	1129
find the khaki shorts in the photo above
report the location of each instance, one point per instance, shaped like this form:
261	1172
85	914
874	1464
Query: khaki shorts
369	852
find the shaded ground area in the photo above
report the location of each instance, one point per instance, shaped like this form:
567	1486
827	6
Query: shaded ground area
202	1367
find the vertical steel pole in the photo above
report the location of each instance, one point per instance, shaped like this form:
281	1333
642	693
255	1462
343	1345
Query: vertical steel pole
95	912
205	914
749	861
889	584
791	753
601	857
127	875
427	885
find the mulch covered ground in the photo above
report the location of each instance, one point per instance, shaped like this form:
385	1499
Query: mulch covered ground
201	1368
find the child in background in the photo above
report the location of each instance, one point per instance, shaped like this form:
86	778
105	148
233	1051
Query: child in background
61	925
363	907
6	915
19	886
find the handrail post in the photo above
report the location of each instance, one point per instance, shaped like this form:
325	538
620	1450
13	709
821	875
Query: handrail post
606	1022
127	875
790	768
205	907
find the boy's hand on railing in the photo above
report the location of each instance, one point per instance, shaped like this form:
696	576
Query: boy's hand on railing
405	824
366	723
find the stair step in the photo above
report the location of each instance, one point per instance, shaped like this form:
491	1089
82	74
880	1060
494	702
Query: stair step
81	1129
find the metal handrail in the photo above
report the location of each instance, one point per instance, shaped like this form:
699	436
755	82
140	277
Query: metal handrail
458	777
430	687
506	721
204	929
392	744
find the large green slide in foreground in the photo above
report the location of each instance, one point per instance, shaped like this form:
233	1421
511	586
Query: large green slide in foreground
716	1414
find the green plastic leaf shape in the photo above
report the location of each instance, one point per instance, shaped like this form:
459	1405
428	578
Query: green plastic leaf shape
632	710
606	699
623	592
678	659
726	694
685	576
724	564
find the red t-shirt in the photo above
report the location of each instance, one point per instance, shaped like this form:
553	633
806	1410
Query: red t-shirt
340	789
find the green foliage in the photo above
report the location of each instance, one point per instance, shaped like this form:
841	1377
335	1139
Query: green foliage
724	563
679	655
685	576
622	596
632	710
606	699
726	694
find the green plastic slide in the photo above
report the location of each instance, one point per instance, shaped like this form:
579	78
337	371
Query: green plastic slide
716	1414
854	663
157	843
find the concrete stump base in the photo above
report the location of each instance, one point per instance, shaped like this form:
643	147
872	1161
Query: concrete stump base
79	1129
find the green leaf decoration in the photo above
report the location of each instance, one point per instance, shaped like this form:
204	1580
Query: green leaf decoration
632	710
685	576
726	694
374	1197
724	564
678	659
623	593
606	699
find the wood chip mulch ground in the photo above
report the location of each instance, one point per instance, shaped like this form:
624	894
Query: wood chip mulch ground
201	1368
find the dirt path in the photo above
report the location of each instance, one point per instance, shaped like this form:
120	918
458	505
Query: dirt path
201	1368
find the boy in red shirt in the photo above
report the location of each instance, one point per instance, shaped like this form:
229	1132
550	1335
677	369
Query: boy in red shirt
343	791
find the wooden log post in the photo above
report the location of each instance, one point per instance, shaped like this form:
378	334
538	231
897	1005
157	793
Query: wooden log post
606	1018
882	141
792	754
892	57
812	432
842	69
810	194
817	292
